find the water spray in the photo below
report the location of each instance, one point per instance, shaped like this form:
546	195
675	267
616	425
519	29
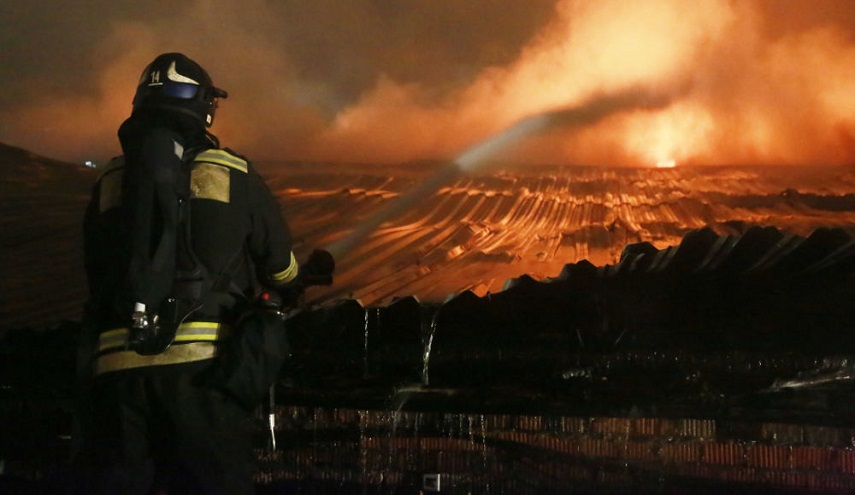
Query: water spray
589	112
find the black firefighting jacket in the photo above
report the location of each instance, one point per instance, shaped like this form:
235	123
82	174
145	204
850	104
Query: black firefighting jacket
238	234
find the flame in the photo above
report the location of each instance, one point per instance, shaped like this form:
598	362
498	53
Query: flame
591	48
679	133
768	82
751	98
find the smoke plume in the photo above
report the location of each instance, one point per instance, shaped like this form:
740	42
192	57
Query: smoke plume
389	81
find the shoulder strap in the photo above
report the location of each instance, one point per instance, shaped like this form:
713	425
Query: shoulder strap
157	187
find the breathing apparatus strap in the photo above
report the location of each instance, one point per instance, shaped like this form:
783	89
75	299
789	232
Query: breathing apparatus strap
159	190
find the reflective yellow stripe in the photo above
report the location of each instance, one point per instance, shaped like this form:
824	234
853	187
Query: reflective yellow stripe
184	353
186	332
287	274
112	338
201	330
222	157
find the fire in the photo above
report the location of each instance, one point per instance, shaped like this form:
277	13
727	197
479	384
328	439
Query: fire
590	49
680	133
756	81
739	94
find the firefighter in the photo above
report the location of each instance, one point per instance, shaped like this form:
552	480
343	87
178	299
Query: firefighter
159	419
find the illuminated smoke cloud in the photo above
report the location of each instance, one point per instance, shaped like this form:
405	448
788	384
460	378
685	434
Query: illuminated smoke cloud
752	101
486	151
758	81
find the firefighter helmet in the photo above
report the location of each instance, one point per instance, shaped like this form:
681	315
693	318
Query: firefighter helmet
173	81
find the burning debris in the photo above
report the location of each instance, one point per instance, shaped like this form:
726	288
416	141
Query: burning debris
628	313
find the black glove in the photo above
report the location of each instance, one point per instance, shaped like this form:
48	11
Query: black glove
317	270
289	296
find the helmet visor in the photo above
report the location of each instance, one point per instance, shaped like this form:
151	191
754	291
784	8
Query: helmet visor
184	91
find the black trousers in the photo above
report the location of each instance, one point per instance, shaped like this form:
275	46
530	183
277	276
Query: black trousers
166	432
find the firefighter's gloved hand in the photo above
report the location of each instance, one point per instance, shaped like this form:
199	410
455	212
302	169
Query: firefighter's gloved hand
318	269
291	295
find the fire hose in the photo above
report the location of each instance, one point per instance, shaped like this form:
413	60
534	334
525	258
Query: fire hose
318	270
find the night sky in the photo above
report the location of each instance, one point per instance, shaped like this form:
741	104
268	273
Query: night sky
387	81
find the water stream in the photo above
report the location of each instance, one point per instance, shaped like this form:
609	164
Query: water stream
429	320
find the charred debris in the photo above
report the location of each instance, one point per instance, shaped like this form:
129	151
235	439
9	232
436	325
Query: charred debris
731	331
717	325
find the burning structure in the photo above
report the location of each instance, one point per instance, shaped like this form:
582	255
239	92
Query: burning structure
509	330
569	329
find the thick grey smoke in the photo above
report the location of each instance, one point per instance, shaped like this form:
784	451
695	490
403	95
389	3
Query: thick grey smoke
395	80
68	69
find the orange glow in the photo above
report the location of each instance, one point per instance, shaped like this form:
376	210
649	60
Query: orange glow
679	133
591	47
749	99
750	82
